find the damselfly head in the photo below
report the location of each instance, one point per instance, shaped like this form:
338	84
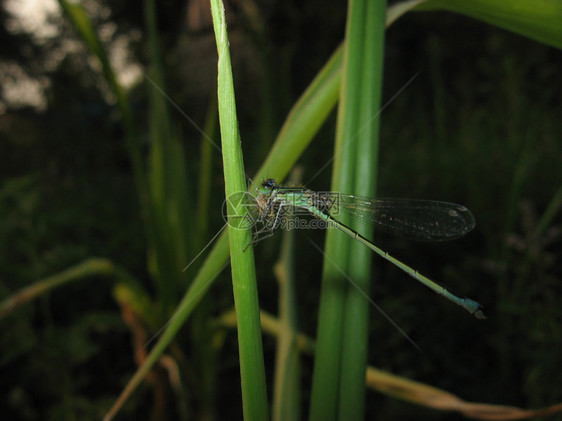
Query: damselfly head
270	183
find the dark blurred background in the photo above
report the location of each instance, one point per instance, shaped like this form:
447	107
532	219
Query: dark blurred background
480	125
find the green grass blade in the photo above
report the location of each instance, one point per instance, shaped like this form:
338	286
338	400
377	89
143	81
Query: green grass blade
252	371
537	19
327	359
338	383
369	64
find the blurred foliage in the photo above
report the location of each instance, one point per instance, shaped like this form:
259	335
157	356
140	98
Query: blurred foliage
480	126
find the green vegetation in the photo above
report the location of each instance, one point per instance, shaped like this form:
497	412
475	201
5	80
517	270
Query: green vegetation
112	187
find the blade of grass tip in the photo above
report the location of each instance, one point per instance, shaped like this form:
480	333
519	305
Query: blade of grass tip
398	9
252	370
369	27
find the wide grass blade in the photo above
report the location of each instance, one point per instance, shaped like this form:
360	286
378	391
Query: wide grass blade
364	143
338	383
244	284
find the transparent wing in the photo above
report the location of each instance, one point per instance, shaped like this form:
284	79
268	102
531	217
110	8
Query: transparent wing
412	218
